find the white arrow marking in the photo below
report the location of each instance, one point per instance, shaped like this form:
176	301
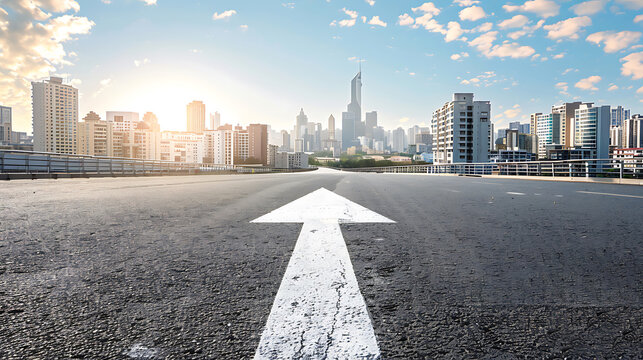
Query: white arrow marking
319	312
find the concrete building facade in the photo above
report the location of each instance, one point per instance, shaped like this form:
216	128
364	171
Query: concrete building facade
461	130
195	117
55	116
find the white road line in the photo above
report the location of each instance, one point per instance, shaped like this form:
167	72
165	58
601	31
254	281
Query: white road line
319	311
515	193
610	194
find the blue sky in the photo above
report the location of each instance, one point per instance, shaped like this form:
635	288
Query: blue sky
260	61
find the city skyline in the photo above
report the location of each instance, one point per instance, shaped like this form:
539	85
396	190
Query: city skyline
232	57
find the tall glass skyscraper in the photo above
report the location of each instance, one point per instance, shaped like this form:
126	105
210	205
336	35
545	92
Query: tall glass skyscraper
353	115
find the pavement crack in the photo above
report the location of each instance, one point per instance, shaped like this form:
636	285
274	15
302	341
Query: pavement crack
338	288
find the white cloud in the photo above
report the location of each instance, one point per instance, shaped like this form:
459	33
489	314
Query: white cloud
149	2
103	84
513	50
355	59
589	83
563	87
513	112
289	5
485	79
631	4
568	28
515	22
589	7
376	21
567	71
464	3
346	22
243	27
472	13
640	90
411	74
430	24
460	56
484	44
405	20
633	65
139	63
32	47
638	18
370	2
454	31
614	41
544	8
612	88
427	8
484	27
223	15
559	56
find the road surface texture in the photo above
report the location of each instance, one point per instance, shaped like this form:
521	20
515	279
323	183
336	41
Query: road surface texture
171	267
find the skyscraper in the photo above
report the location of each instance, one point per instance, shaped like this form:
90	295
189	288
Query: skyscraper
548	132
462	130
5	125
353	114
300	126
619	115
258	143
592	127
215	120
331	127
196	117
55	116
370	123
566	111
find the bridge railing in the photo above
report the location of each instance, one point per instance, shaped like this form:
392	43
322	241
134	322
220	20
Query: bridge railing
30	162
607	168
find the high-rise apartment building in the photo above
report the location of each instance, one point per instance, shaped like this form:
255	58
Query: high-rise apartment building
619	115
592	129
5	125
196	117
331	127
548	132
633	132
55	116
95	136
258	143
462	130
122	120
567	112
533	123
215	120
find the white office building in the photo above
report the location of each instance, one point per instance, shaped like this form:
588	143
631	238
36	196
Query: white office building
548	132
462	130
291	160
122	120
592	129
55	116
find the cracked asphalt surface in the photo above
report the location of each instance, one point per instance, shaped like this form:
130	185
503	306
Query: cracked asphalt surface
170	267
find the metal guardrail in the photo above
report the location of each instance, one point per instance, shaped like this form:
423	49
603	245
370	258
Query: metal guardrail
39	163
607	168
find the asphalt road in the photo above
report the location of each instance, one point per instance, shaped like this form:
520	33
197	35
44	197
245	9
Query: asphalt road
171	267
